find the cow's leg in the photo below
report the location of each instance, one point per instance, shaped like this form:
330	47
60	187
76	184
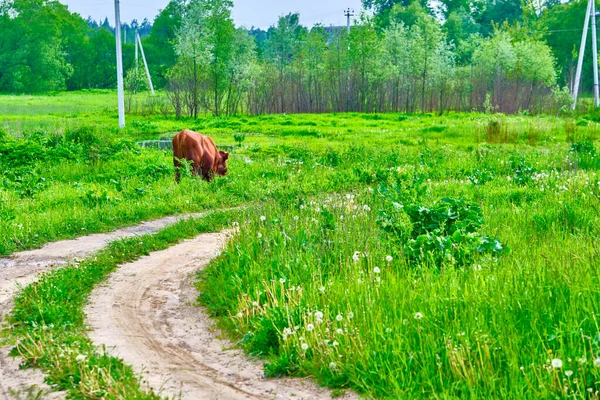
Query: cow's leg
196	168
177	171
205	175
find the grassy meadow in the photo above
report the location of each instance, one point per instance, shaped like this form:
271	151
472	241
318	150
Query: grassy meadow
401	256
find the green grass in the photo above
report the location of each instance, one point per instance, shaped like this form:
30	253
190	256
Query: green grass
435	325
47	321
454	314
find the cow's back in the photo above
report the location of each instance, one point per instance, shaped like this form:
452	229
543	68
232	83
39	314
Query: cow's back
187	145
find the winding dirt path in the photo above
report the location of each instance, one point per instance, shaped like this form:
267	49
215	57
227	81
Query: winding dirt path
21	269
145	315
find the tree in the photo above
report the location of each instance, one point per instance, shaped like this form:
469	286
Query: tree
159	45
208	48
280	49
32	56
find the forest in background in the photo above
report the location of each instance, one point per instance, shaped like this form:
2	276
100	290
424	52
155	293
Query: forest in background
402	55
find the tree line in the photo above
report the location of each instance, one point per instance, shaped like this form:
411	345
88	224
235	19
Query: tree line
406	55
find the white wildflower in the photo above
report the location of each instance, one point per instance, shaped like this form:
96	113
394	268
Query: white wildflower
356	256
568	373
557	363
332	365
376	270
339	331
259	235
418	315
597	362
339	317
389	258
366	208
263	218
304	346
282	280
319	317
80	358
240	315
350	315
310	327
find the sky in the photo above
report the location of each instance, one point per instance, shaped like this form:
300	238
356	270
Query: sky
248	13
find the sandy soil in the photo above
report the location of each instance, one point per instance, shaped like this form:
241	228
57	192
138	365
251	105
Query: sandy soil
145	315
22	269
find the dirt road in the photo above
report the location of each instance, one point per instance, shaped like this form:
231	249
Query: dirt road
145	315
22	269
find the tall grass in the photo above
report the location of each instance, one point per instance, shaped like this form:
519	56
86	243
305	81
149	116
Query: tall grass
330	287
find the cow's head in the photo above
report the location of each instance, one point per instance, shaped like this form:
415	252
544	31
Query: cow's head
222	164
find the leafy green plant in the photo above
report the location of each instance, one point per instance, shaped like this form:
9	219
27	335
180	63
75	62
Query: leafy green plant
447	234
522	171
239	138
480	177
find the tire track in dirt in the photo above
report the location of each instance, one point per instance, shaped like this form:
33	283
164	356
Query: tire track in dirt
21	269
145	314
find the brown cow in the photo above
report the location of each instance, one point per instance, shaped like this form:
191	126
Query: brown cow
202	152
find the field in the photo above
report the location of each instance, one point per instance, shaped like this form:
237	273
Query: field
397	255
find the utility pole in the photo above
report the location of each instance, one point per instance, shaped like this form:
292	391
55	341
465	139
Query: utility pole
348	13
139	41
581	52
120	89
136	52
595	53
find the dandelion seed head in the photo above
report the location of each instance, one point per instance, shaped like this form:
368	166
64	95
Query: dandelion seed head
568	373
339	317
310	327
557	363
263	218
389	258
376	270
418	315
304	346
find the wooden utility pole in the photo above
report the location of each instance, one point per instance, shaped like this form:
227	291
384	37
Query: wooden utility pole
120	88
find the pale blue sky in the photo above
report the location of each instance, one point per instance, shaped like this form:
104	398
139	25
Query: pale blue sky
260	13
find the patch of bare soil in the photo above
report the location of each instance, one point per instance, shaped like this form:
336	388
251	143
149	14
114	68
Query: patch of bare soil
22	269
145	315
